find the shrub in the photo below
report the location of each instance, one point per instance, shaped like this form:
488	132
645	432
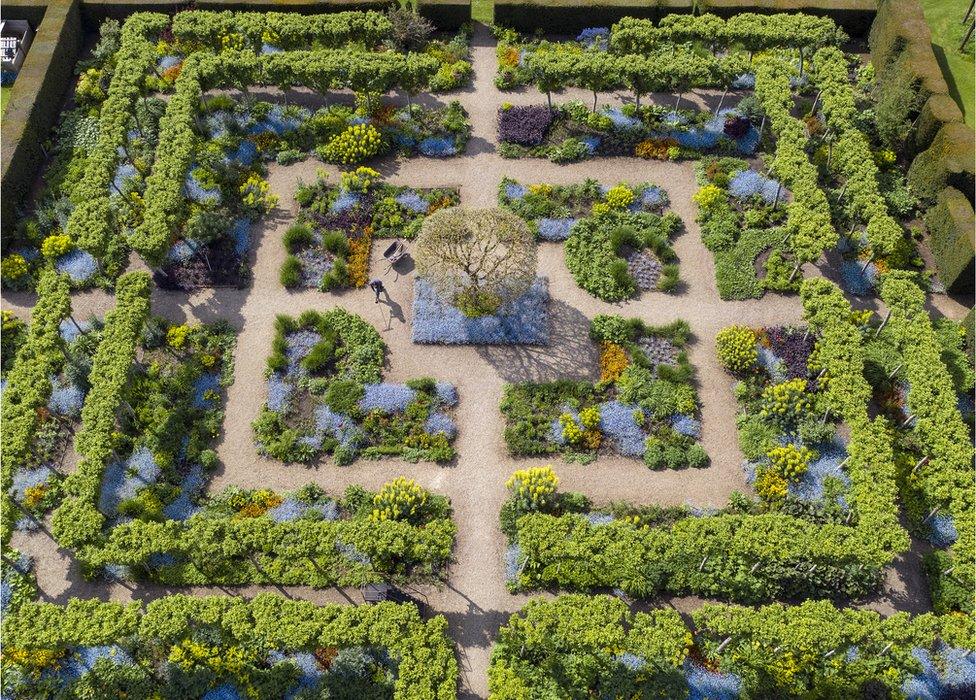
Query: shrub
736	346
790	461
357	143
525	126
533	489
400	499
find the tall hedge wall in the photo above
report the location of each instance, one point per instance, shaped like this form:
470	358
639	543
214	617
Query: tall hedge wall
951	239
948	162
35	102
569	16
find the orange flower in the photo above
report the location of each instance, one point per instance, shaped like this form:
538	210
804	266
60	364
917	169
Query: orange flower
358	264
613	361
654	149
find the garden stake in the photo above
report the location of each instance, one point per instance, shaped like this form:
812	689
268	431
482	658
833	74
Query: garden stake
887	647
907	421
724	644
702	565
754	567
934	511
895	371
948	571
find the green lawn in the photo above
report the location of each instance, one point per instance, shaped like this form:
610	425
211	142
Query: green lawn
482	11
944	17
4	96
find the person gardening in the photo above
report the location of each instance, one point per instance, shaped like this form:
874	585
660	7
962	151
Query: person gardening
377	286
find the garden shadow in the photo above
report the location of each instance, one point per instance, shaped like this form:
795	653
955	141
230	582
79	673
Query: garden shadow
570	353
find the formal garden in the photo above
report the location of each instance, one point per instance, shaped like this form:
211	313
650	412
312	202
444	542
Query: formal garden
380	353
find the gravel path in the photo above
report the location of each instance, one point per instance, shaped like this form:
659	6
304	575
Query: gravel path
474	598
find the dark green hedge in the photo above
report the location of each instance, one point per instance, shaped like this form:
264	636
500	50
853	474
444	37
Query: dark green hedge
570	16
950	223
446	14
94	11
948	162
36	100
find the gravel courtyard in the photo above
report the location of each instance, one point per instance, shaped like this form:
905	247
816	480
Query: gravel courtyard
474	597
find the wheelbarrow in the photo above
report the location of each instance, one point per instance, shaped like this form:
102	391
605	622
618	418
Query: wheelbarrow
394	253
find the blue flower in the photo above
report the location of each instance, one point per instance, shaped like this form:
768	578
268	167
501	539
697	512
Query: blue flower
240	231
555	229
771	363
631	661
591	142
351	553
209	381
181	252
337	425
523	321
298	345
447	393
621	120
160	559
328	510
749	183
123	480
440	423
197	192
686	425
597	519
942	530
223	692
651	198
594	37
244	154
708	685
289	509
513	562
344	202
618	422
66	401
856	282
388	398
746	81
514	190
166	62
123	173
437	147
411	201
308	667
29	478
810	486
80	265
269	49
279	391
182	508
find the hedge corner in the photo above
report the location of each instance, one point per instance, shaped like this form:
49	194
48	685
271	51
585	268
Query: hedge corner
951	239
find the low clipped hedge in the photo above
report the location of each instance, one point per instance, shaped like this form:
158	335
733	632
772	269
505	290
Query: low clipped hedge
446	14
950	225
246	639
35	101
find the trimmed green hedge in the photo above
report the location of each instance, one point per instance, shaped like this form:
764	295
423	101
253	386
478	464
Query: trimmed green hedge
35	102
947	162
557	648
211	640
570	16
950	224
446	14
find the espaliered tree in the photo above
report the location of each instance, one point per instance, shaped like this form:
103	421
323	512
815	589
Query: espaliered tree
747	557
364	72
29	384
753	32
147	635
852	159
808	223
91	222
77	520
596	645
944	475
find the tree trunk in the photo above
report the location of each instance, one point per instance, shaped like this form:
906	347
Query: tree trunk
594	100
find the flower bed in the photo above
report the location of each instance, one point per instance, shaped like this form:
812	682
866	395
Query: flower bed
522	321
326	396
795	456
222	647
644	406
571	132
555	646
553	210
742	215
329	246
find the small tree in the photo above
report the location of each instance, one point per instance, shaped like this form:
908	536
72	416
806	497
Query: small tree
410	31
477	259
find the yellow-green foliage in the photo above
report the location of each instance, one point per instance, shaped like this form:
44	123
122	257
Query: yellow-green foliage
790	461
357	143
400	499
534	488
736	347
